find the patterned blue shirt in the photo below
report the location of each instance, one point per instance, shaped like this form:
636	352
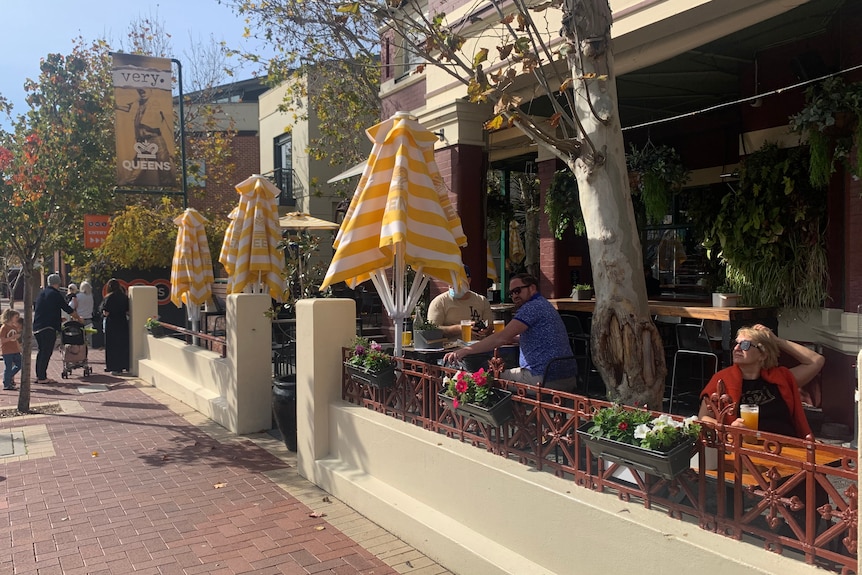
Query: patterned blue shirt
545	337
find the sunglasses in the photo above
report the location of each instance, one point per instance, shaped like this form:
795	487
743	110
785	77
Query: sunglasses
516	291
745	345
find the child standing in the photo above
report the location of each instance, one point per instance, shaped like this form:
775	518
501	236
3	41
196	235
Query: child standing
10	331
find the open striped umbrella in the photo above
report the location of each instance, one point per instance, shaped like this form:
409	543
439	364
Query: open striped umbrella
400	216
191	267
250	251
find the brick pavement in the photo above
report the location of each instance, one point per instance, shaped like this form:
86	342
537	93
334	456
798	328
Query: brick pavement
128	480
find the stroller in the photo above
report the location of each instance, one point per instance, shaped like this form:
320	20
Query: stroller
74	348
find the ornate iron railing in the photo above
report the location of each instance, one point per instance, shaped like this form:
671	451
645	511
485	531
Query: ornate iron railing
792	496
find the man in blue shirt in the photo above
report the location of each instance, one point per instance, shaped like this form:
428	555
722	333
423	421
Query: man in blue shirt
539	330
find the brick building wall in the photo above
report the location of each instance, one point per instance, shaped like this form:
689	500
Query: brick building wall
220	197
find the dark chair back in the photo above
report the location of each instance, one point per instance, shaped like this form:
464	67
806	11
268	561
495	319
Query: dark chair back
691	336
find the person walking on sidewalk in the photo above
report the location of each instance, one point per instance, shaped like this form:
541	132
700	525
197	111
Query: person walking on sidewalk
10	333
47	321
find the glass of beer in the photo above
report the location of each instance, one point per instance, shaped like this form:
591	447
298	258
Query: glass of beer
499	324
466	330
406	338
750	415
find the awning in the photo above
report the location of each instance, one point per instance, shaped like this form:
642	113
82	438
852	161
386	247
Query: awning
349	173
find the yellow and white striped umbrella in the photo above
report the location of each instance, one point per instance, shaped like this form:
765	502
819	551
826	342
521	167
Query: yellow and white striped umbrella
492	267
227	255
250	251
517	253
191	267
400	215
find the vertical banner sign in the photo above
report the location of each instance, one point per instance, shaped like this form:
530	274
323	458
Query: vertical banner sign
144	122
96	229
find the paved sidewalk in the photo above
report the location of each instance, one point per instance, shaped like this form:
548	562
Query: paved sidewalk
127	480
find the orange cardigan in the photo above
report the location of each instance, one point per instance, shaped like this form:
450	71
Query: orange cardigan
780	376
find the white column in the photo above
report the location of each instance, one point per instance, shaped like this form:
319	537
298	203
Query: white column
323	327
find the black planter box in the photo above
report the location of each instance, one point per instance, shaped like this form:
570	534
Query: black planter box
496	415
385	378
666	464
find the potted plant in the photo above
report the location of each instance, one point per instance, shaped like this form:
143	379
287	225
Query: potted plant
426	334
656	174
154	327
832	122
658	445
724	296
473	395
582	292
369	364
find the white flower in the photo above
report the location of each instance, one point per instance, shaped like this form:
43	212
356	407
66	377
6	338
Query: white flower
689	421
642	431
665	420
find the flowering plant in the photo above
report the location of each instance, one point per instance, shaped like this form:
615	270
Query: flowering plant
639	427
152	322
369	355
467	387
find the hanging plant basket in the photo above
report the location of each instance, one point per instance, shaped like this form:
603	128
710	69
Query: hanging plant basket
383	378
666	464
496	415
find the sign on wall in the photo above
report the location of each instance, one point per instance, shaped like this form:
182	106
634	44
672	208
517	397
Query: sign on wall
96	229
144	121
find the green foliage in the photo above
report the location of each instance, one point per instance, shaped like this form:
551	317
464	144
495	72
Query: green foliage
328	61
563	205
832	118
657	174
142	236
770	232
369	355
639	427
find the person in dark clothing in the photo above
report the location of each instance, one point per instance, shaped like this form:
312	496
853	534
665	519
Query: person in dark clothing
47	321
115	310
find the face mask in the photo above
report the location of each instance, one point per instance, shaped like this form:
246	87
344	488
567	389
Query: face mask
456	295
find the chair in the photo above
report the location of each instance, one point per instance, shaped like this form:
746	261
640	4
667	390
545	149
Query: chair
580	342
694	348
283	347
561	374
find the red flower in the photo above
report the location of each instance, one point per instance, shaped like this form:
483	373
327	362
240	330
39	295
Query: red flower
480	378
623	425
461	386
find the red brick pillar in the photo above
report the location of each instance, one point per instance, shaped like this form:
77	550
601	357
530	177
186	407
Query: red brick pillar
463	168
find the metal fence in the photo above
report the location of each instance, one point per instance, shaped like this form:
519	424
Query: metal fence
790	496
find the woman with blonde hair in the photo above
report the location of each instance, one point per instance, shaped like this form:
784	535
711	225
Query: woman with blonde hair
756	378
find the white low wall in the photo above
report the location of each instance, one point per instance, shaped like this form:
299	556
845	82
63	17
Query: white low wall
234	391
472	511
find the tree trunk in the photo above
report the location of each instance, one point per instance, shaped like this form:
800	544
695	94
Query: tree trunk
26	339
627	348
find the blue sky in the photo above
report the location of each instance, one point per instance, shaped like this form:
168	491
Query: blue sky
32	29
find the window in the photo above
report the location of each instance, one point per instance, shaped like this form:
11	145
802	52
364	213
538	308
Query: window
284	169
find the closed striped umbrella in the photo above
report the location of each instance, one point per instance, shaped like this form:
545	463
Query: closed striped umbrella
516	246
250	251
191	267
227	255
492	267
400	216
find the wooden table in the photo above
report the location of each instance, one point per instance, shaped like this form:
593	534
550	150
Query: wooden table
731	318
764	463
